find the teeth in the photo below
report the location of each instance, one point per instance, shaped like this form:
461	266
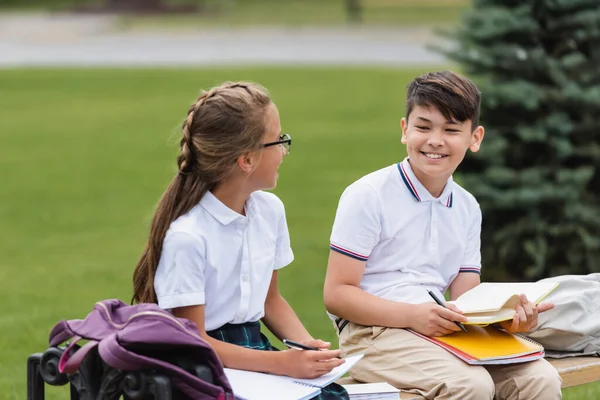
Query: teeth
433	155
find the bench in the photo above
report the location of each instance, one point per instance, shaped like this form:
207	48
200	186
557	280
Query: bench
577	371
574	371
42	369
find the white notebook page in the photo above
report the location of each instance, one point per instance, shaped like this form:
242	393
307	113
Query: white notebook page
372	390
335	373
491	296
249	385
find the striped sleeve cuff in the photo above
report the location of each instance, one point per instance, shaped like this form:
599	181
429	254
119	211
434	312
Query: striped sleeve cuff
349	253
470	268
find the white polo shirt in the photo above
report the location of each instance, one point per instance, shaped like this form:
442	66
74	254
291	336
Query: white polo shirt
223	260
410	240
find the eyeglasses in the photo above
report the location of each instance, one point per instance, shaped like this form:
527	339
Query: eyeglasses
285	141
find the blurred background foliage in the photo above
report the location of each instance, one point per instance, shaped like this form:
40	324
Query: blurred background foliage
211	13
537	176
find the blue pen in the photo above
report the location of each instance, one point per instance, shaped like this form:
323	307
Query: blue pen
461	326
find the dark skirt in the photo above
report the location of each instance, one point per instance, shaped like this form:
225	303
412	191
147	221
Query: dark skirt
250	336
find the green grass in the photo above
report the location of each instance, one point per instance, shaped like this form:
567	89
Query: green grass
276	12
85	155
11	5
307	12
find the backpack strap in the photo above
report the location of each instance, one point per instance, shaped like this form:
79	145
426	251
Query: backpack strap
60	333
71	358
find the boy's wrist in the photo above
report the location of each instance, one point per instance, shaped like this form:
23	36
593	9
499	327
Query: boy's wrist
405	315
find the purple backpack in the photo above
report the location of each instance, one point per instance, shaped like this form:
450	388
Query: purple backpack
142	337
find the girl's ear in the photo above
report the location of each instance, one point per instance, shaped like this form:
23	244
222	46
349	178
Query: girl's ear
247	162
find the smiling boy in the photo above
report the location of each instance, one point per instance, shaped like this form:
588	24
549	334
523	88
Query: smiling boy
409	228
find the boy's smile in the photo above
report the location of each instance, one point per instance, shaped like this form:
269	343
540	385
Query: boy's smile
434	156
436	145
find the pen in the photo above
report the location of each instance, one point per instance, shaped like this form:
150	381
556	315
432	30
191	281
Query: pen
434	297
299	346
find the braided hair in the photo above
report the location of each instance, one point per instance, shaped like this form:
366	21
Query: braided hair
223	123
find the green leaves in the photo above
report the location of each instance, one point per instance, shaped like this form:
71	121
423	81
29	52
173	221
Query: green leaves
537	176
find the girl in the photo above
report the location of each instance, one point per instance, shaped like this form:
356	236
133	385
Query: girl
217	240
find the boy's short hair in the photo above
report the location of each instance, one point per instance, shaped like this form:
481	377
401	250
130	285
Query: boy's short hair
455	96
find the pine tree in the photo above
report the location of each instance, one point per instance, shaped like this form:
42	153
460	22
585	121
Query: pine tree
537	176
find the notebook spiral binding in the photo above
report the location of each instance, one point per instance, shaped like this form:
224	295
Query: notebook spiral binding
303	384
530	340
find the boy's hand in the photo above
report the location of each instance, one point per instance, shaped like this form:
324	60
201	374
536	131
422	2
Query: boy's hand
526	317
309	363
431	319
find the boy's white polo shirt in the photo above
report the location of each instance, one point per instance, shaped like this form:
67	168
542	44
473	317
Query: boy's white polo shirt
410	240
223	260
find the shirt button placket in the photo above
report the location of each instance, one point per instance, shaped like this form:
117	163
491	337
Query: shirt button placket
433	239
244	279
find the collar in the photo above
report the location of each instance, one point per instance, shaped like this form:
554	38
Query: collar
221	212
418	191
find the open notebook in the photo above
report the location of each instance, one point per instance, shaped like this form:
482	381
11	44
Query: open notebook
250	385
372	391
488	303
488	345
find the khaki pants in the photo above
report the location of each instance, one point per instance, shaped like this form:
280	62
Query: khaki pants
415	365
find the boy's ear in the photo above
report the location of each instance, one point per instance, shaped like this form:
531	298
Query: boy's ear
404	126
247	162
476	138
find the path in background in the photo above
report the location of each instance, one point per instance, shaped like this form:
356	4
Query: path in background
68	40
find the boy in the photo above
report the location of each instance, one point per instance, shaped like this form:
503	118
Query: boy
408	228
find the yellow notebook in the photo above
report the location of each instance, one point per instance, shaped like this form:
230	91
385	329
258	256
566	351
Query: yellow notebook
488	303
488	345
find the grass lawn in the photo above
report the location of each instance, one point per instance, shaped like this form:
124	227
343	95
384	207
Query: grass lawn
277	12
308	12
85	155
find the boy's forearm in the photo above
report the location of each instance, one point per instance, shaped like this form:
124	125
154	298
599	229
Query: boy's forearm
282	321
463	282
354	304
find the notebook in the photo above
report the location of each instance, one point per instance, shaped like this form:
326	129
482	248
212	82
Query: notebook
487	346
372	391
488	303
250	385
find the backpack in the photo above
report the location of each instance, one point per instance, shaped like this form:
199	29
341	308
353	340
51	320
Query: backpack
572	327
143	337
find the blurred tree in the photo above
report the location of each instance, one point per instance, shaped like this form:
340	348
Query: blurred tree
140	6
537	177
354	10
150	5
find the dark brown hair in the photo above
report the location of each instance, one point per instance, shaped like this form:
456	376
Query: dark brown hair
221	125
455	96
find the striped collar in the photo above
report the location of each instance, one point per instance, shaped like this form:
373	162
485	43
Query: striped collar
418	191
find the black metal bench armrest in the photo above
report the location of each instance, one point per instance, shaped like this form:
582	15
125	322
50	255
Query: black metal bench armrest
42	368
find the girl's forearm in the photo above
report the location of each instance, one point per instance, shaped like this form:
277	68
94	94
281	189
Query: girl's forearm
239	357
283	322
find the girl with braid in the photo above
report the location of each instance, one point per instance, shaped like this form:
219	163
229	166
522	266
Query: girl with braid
217	240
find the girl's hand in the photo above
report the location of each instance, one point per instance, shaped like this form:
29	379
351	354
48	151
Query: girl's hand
526	317
309	363
318	343
431	319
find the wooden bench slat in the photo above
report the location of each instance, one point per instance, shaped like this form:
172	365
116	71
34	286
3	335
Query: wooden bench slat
574	371
577	370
